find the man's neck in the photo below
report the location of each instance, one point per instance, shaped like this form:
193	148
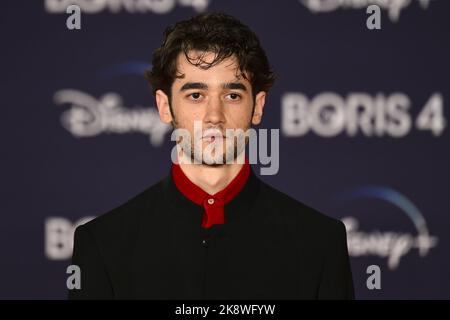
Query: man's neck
211	179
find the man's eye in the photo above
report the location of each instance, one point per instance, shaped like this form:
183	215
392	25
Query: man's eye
234	96
195	95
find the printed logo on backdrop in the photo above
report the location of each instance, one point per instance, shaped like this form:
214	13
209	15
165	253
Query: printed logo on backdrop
127	6
58	243
393	236
89	116
393	7
329	114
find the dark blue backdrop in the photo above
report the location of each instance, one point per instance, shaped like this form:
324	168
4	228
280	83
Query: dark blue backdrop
361	115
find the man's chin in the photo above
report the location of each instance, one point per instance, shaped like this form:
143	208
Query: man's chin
226	159
213	161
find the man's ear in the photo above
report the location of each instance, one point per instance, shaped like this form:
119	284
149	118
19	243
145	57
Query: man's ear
260	100
162	102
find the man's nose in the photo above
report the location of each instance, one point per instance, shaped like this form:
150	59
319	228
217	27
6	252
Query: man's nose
214	112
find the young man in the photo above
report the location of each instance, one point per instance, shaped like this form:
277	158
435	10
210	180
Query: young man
212	229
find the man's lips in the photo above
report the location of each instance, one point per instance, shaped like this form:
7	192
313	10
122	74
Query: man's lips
213	137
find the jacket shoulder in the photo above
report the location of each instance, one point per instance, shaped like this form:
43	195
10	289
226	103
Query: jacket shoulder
299	215
126	215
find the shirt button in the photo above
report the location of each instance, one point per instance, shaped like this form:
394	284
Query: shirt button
211	201
205	243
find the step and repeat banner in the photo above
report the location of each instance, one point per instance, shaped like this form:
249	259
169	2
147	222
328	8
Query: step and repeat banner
361	103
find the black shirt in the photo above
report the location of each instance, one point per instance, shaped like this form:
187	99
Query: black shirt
271	247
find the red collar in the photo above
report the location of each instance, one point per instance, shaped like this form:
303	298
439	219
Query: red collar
213	204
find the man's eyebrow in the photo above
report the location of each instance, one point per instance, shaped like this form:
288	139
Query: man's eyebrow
203	86
235	86
193	85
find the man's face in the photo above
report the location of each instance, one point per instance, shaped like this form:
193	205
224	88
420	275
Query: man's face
218	98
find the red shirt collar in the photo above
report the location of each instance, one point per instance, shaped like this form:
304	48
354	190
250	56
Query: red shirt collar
213	204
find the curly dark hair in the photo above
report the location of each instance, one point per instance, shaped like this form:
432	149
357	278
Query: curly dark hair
219	33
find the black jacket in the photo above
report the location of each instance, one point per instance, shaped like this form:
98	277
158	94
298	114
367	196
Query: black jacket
270	247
